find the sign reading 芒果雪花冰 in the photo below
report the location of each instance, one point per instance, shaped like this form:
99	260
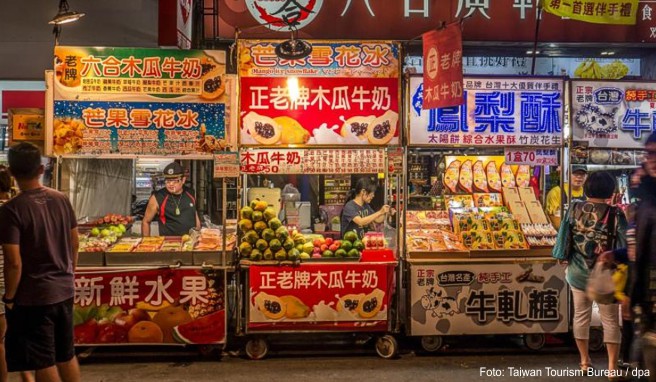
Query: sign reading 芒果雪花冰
496	112
343	93
488	298
137	101
613	114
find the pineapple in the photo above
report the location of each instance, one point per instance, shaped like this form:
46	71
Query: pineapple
214	301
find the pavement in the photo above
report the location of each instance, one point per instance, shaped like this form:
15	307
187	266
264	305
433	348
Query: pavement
470	359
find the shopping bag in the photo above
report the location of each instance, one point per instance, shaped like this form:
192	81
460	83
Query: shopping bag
601	287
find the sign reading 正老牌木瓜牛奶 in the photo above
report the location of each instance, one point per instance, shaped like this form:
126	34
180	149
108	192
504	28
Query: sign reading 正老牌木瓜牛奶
343	93
496	112
138	101
613	114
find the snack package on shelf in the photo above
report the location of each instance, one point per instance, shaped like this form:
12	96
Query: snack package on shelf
478	240
488	200
428	220
540	235
452	176
510	239
210	239
433	240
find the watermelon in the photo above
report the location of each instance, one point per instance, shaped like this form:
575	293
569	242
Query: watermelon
208	329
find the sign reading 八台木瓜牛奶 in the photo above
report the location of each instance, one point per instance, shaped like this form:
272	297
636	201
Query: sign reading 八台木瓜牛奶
496	112
343	93
137	101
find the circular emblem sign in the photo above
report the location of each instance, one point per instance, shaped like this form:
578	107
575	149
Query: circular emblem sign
283	15
432	64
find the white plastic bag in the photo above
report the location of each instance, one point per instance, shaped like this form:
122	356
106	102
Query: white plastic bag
601	287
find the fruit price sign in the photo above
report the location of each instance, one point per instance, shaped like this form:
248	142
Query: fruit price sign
496	112
134	101
320	297
344	93
491	298
316	161
613	114
149	306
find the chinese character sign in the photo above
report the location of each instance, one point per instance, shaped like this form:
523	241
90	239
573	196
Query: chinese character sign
613	114
342	94
156	128
532	157
595	11
443	67
315	161
497	298
498	112
320	296
149	307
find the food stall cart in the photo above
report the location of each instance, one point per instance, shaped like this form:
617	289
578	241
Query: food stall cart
304	142
111	107
610	122
477	241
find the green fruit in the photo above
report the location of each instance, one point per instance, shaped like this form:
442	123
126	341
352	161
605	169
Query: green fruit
105	232
254	204
351	236
255	255
245	225
268	254
122	228
95	232
327	253
299	239
293	254
275	223
308	248
340	253
251	237
358	245
245	249
282	234
269	213
353	253
299	247
275	245
288	244
260	226
304	256
246	213
268	234
261	244
257	216
346	245
281	255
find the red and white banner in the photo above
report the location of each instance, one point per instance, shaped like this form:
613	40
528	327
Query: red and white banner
443	67
149	306
341	296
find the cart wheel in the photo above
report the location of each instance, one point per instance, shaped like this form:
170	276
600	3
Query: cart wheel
596	342
256	348
535	341
432	343
387	347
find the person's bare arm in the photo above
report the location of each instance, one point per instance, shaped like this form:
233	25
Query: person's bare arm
13	268
377	217
198	224
75	246
151	210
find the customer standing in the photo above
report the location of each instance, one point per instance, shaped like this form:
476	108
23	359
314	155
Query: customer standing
38	233
590	226
643	288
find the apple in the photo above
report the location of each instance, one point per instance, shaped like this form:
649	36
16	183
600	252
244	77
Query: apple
333	247
86	333
95	231
323	247
316	255
109	333
329	241
316	243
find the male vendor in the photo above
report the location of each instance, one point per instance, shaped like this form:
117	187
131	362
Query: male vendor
175	205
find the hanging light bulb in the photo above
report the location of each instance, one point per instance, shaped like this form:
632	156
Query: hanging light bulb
293	89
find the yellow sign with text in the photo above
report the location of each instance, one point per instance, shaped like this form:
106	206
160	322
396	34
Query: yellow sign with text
622	12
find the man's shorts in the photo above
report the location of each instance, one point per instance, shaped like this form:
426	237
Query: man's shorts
39	337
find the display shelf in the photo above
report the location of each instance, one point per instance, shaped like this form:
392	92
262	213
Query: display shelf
91	259
210	257
148	258
610	167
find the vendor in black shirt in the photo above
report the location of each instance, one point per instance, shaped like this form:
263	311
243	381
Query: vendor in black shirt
357	214
175	205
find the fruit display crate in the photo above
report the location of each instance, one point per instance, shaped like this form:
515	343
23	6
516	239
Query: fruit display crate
91	259
148	258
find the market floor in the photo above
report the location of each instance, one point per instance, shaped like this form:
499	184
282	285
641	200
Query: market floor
410	366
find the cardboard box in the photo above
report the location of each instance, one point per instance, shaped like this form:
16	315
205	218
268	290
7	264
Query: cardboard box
510	195
518	209
536	213
526	194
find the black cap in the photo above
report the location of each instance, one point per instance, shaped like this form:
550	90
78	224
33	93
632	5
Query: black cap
173	170
577	168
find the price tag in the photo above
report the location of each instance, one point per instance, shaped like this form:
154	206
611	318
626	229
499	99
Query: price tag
226	165
533	157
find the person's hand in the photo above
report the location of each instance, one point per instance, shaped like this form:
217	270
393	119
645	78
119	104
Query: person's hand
626	309
385	209
392	211
606	257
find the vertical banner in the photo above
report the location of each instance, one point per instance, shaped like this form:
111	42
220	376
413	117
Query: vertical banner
443	67
595	11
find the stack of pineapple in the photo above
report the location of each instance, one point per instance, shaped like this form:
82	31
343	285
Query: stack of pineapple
263	237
